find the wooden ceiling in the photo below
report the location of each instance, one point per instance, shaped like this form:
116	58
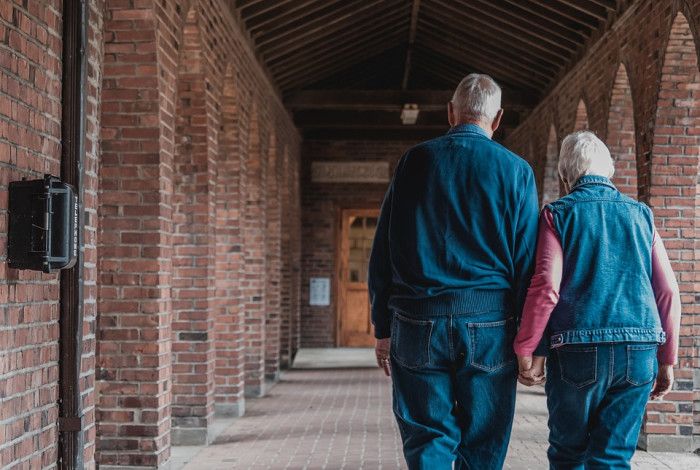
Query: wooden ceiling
422	44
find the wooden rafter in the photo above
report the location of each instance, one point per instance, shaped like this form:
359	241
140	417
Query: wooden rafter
415	8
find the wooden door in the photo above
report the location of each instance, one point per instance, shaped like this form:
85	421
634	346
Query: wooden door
357	234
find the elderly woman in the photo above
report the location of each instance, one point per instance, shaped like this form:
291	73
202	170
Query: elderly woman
605	299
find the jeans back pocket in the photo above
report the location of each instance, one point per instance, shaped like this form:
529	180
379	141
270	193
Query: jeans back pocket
410	341
641	363
491	344
578	365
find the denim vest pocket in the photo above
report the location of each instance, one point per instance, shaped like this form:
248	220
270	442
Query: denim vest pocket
641	363
491	344
578	365
410	341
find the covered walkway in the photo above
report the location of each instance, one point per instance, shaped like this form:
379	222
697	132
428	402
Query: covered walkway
235	156
340	418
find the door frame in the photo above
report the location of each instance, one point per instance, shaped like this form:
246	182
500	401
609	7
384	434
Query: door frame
341	259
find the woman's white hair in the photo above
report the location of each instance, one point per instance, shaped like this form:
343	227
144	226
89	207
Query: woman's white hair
583	153
477	97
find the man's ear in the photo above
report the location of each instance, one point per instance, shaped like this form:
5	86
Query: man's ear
451	114
497	120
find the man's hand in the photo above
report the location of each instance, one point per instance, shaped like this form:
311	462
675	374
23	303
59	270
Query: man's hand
531	370
664	382
381	350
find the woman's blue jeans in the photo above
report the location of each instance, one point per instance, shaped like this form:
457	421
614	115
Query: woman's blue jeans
596	395
454	380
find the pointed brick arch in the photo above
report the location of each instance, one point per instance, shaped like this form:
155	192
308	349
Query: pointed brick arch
673	194
621	135
230	262
581	119
193	290
550	181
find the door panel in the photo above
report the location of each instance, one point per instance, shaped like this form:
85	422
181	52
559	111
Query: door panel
357	234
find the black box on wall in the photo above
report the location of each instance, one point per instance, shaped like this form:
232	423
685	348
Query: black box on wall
43	217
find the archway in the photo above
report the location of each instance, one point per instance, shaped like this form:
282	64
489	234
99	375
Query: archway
673	195
621	137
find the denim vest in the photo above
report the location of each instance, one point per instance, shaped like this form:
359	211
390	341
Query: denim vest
606	294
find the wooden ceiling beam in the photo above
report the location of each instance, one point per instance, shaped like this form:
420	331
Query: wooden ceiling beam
497	46
323	56
255	8
583	31
324	20
563	10
322	70
320	33
468	56
505	77
288	13
411	39
497	21
516	12
370	27
508	34
588	8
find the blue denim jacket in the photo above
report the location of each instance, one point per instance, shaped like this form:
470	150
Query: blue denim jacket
606	292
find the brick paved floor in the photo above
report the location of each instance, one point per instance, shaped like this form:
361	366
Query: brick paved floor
341	419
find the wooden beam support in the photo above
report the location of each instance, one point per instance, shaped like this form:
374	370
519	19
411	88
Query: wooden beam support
411	39
317	33
525	55
285	14
488	19
322	70
565	11
339	53
325	21
371	27
508	34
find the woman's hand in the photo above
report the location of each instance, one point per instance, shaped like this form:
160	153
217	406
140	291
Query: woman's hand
381	350
664	382
531	370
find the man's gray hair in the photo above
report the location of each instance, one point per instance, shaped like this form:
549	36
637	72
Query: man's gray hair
477	97
582	153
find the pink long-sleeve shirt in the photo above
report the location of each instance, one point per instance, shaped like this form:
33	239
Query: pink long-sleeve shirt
543	294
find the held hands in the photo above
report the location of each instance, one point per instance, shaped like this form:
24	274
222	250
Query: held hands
664	382
531	370
381	350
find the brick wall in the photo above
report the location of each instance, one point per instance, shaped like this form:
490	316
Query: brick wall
30	128
661	68
320	223
188	117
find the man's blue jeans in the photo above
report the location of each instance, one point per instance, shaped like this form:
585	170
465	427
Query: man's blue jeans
596	394
454	380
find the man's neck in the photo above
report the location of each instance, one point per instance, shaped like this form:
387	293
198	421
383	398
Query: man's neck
484	126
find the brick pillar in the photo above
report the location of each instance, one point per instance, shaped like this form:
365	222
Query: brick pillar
674	196
255	243
230	191
286	283
133	332
550	180
273	262
295	215
193	245
621	139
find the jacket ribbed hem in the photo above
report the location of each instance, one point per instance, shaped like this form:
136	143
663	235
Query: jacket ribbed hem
470	301
608	335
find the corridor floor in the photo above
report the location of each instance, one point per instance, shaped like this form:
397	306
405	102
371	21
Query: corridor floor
341	419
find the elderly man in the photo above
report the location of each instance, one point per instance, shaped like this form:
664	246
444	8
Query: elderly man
449	269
